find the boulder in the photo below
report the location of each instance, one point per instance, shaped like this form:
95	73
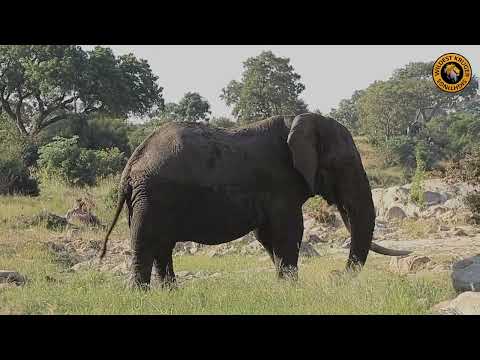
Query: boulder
396	213
434	198
467	303
408	264
11	277
307	250
466	274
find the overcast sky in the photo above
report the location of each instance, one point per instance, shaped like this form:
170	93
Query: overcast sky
330	73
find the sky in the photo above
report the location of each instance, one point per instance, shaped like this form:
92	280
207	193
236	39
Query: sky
329	73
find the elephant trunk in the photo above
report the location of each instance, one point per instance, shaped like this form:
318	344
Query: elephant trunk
358	214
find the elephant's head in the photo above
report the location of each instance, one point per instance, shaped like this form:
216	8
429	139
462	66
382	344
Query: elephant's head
325	154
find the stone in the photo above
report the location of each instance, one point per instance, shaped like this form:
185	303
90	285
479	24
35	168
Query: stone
467	303
408	264
466	274
12	277
396	213
184	273
346	243
434	198
308	250
460	232
443	228
253	248
308	224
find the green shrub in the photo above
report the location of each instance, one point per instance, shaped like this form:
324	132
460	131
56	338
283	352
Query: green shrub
466	169
472	201
64	159
417	191
318	208
16	154
399	150
111	196
15	178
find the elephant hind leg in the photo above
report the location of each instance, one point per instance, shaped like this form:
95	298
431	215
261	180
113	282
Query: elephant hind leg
163	264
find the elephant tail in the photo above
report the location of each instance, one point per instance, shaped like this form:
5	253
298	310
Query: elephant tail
389	252
121	200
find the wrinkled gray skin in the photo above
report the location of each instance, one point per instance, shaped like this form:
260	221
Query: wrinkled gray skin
192	182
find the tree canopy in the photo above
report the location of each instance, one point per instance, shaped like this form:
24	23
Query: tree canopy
43	84
269	86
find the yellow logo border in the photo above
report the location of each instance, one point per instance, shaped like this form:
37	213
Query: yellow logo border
464	81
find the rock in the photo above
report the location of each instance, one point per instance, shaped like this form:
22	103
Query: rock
434	198
467	303
460	232
466	274
308	250
315	239
252	249
443	228
82	265
396	213
184	273
346	243
408	264
12	277
308	224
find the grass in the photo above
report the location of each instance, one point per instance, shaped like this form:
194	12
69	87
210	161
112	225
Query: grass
418	228
246	285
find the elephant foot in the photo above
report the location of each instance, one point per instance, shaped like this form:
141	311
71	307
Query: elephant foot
288	273
134	283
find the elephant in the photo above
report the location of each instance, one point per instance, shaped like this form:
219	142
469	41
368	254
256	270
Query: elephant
193	182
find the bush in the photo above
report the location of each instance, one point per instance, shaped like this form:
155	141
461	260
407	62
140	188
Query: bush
318	208
16	154
455	133
222	122
399	150
472	201
417	191
15	178
465	170
65	160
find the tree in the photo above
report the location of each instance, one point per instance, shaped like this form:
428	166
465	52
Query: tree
192	107
422	94
269	86
381	112
43	84
347	112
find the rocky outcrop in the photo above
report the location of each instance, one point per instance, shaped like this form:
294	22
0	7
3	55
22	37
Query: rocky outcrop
467	303
408	264
395	203
466	274
12	277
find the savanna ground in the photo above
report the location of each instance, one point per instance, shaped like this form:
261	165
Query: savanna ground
244	285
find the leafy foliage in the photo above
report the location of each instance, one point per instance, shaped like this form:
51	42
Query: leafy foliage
43	84
347	112
269	86
417	191
64	159
222	122
15	155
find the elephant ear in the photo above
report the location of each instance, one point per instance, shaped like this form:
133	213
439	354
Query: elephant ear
302	141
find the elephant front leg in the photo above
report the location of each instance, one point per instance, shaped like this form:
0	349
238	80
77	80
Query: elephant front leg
287	232
142	248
